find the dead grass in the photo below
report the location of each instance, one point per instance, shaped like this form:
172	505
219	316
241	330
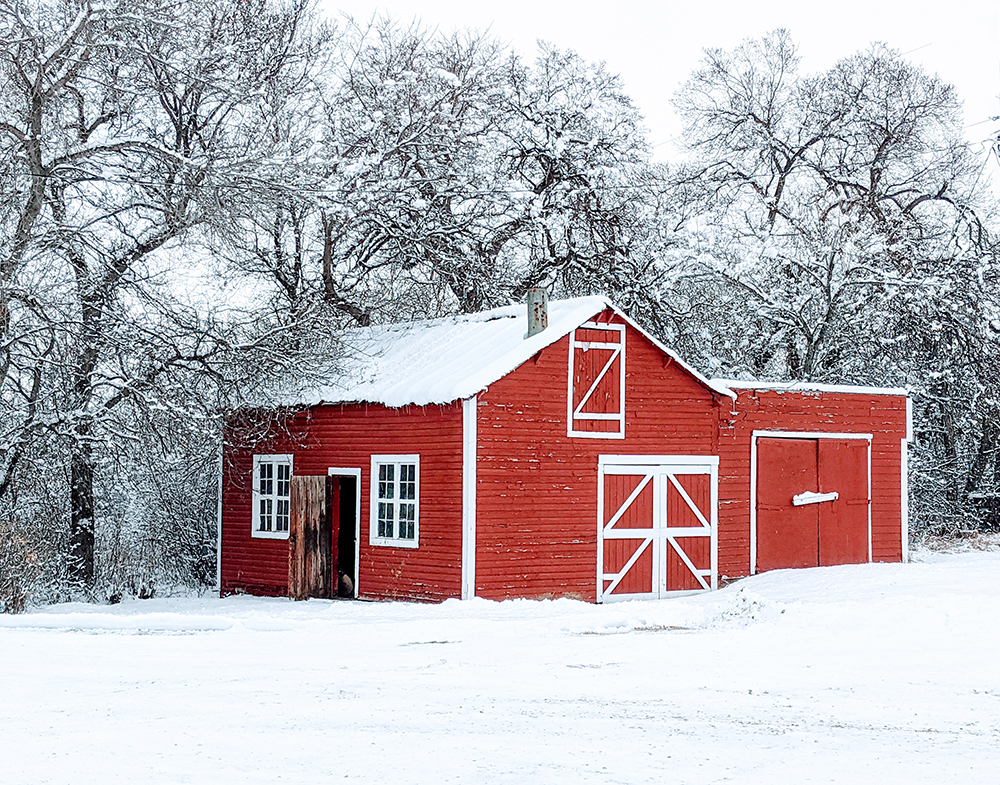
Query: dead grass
956	542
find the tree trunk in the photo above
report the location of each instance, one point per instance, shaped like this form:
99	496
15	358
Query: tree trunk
81	526
989	433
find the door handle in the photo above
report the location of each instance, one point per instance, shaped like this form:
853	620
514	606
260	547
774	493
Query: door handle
811	497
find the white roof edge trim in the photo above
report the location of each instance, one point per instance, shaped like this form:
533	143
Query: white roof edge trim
529	347
852	389
719	386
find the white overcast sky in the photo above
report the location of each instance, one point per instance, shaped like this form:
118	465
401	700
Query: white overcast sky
655	45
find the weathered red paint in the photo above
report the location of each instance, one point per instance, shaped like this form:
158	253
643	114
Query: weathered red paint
787	536
881	415
537	487
347	437
843	523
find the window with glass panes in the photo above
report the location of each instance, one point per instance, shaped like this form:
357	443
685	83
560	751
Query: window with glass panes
395	499
272	479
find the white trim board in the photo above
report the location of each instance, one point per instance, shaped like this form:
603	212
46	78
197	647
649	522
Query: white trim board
904	482
350	471
470	407
220	465
810	435
848	389
904	500
658	460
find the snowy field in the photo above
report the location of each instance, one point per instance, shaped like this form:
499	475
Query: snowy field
861	674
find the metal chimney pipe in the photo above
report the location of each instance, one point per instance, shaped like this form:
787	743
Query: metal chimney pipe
538	311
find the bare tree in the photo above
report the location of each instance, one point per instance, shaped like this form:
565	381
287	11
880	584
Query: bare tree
842	225
123	123
450	174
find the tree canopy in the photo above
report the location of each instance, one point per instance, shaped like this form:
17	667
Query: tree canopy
197	198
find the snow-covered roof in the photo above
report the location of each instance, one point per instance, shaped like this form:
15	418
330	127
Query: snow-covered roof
449	359
734	384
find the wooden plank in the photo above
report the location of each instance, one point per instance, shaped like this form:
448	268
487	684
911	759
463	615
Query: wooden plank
309	539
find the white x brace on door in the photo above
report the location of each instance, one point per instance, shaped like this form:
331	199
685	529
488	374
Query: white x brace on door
657	525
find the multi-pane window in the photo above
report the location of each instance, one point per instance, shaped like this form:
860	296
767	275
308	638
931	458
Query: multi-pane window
395	500
272	479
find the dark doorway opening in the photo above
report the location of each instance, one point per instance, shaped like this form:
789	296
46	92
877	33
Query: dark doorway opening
347	534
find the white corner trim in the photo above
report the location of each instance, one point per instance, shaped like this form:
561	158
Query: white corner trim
218	525
469	444
350	471
753	503
904	500
871	551
904	483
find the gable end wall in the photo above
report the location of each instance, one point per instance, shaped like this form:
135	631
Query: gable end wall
537	487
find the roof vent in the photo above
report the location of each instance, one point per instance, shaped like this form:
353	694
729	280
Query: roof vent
538	311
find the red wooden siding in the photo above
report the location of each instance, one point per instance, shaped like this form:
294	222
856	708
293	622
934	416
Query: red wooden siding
347	437
883	416
537	488
253	565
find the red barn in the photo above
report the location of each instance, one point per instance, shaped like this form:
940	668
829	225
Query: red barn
813	475
462	457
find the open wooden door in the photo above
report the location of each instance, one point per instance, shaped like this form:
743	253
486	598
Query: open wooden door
311	541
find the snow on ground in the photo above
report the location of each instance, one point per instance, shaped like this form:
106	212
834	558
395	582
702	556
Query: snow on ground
869	673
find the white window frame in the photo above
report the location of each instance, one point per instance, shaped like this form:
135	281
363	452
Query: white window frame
275	460
575	415
373	493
